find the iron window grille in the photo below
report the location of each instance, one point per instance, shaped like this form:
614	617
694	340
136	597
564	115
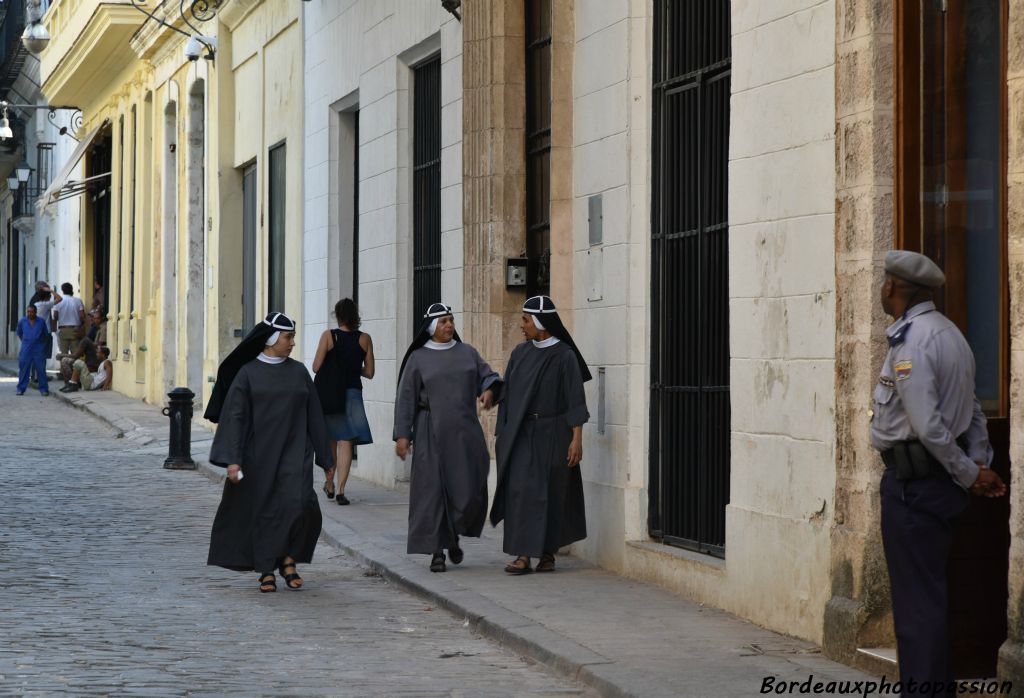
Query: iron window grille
426	174
690	399
538	146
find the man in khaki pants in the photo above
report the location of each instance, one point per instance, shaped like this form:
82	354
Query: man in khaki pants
70	316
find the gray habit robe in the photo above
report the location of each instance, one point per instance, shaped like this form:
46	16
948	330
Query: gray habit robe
539	496
272	425
436	409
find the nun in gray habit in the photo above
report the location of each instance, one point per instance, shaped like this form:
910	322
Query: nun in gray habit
540	442
270	425
439	385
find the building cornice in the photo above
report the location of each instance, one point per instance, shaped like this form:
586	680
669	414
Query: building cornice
76	67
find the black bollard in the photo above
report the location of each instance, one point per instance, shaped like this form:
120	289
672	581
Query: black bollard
179	409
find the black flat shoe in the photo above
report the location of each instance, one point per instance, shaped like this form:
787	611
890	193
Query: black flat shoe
437	563
455	554
341	499
329	493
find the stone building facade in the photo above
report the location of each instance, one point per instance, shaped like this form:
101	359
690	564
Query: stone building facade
383	143
194	169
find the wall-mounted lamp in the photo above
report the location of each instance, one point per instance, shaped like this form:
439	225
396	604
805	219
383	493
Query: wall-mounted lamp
196	44
5	122
23	171
13	183
199	11
35	37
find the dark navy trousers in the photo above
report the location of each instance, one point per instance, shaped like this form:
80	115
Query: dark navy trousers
917	533
33	360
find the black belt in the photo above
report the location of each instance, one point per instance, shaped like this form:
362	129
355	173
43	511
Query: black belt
424	407
911	460
65	327
534	416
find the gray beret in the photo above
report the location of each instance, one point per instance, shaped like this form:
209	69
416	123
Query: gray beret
915	268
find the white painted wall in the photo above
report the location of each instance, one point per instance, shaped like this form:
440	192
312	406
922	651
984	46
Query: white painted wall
360	53
611	113
782	311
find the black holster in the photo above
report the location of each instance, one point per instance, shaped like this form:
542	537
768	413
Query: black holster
912	461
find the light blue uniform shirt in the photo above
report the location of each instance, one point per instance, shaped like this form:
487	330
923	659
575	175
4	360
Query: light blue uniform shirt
926	392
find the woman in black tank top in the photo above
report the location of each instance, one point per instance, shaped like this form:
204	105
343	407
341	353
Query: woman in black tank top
351	352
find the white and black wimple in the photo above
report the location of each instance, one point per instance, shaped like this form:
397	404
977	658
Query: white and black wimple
248	349
437	310
542	306
539	305
280	321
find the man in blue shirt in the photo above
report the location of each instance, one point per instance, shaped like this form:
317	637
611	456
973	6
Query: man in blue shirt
33	333
931	432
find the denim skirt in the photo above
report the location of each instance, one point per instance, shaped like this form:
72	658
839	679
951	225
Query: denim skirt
351	426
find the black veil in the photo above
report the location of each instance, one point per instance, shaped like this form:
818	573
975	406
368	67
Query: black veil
543	308
423	334
247	350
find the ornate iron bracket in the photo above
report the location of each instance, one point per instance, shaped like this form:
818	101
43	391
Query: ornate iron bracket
74	123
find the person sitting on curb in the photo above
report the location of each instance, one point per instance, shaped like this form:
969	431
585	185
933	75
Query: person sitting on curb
86	349
81	377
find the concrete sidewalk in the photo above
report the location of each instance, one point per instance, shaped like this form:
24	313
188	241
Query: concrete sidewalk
622	637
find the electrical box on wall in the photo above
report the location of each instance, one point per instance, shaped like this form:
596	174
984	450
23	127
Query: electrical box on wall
515	272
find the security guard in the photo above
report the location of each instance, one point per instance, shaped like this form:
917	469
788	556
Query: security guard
931	432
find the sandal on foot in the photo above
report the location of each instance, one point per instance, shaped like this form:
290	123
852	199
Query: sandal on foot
342	499
289	579
547	563
328	492
521	565
437	563
268	583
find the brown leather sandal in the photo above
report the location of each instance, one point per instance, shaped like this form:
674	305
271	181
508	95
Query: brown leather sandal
547	563
521	565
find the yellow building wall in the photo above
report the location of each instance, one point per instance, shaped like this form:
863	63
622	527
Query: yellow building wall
187	314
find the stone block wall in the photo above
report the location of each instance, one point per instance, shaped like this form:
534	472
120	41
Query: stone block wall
858	612
360	54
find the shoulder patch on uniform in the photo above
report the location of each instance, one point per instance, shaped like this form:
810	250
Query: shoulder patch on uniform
903	369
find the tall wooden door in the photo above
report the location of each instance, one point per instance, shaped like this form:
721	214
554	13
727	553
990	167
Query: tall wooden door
951	205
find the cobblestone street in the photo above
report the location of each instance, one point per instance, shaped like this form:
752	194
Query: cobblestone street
105	590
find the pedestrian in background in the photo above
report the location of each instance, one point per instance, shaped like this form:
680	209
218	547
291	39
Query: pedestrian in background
540	442
439	385
44	300
270	425
933	437
343	358
32	332
99	297
70	316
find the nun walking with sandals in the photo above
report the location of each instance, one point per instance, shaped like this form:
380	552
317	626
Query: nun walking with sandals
540	442
270	425
440	383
